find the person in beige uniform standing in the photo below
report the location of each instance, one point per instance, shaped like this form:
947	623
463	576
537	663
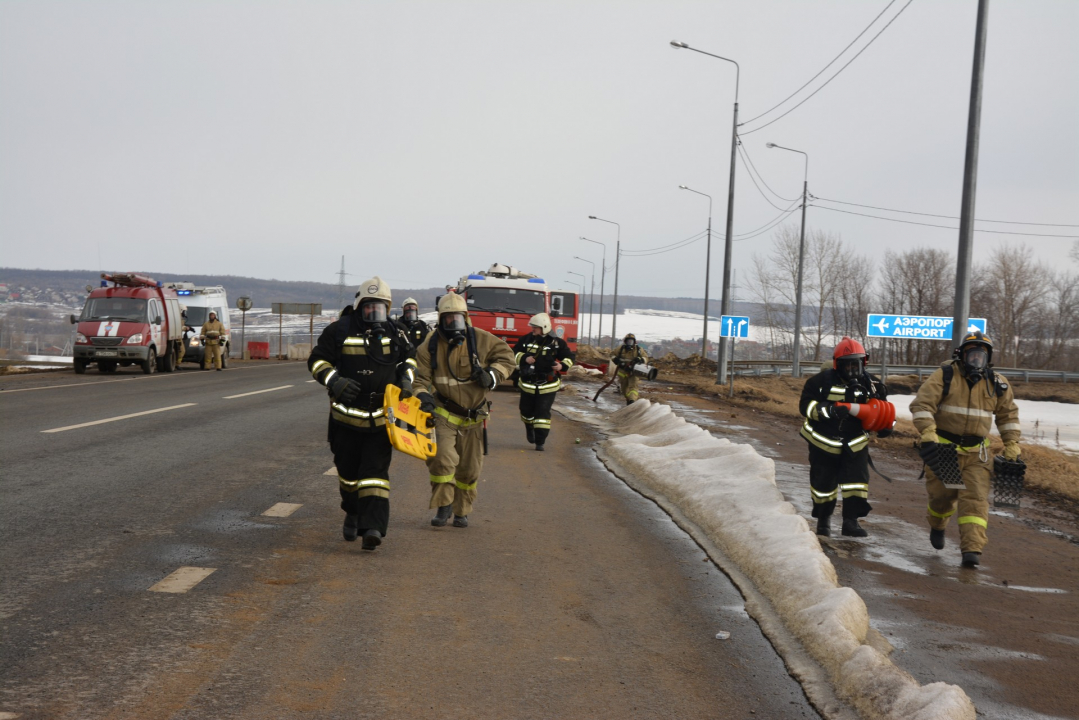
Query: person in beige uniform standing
457	367
955	407
212	333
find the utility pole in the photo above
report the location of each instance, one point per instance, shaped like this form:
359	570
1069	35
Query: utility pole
961	315
341	285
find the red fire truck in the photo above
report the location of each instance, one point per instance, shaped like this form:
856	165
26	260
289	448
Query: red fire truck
501	300
133	321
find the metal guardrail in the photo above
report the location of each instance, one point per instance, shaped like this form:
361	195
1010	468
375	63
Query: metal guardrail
759	368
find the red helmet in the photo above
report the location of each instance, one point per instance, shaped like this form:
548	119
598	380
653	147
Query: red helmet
849	359
848	348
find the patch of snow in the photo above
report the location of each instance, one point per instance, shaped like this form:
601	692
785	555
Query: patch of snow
1049	416
729	491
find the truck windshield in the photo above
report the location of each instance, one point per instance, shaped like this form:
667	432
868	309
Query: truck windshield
122	309
525	302
196	316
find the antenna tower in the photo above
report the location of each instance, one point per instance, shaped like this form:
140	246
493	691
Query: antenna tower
341	274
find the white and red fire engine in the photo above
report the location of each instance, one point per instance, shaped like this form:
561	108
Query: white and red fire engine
132	321
501	300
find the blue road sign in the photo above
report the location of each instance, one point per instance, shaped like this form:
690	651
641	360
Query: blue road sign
916	327
734	326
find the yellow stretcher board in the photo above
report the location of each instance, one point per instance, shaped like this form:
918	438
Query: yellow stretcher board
407	426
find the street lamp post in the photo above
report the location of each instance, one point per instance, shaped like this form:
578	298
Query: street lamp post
617	257
591	298
796	368
721	370
584	284
707	270
602	276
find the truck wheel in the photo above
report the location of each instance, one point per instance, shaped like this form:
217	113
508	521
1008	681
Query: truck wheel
149	366
80	366
224	357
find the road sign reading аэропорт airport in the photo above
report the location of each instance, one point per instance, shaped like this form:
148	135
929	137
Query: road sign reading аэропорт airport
916	327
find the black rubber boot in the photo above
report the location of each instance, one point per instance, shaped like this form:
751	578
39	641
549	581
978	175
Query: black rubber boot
851	528
530	433
936	539
824	525
442	516
372	539
351	528
971	559
628	401
460	520
539	446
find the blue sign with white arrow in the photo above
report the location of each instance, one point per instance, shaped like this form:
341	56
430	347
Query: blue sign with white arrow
734	326
916	327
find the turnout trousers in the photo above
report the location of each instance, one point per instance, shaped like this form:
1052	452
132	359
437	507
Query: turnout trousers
211	356
832	476
627	385
972	501
363	459
455	468
536	411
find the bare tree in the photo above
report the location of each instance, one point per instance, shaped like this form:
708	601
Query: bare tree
918	282
1012	287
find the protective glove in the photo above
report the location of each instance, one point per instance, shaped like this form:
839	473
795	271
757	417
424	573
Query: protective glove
427	402
406	387
1011	450
929	435
344	390
484	376
839	412
928	452
884	433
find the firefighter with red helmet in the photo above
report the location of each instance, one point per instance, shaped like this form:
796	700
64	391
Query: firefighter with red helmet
955	408
838	443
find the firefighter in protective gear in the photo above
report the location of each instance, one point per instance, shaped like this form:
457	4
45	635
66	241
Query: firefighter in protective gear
457	367
629	355
540	357
213	334
956	405
410	317
181	348
355	358
838	445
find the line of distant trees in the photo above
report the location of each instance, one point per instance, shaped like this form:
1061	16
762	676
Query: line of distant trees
1031	309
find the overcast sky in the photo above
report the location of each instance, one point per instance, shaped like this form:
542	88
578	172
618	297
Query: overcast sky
425	140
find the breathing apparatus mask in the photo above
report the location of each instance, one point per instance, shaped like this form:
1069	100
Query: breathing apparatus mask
374	312
850	368
975	360
452	325
410	314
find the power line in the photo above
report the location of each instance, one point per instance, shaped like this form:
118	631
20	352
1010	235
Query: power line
863	32
750	159
769	225
666	248
748	132
947	217
946	227
746	165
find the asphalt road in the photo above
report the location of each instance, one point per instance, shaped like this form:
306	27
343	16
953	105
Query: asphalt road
569	595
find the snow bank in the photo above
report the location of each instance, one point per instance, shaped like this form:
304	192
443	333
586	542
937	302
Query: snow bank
729	491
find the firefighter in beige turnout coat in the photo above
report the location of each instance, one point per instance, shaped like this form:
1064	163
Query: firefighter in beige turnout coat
457	367
962	416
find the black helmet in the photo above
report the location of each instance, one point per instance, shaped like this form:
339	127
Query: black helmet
976	353
628	337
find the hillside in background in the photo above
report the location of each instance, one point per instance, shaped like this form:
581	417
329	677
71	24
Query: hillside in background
72	284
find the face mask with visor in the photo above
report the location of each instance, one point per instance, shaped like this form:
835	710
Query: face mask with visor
849	368
374	312
975	360
410	314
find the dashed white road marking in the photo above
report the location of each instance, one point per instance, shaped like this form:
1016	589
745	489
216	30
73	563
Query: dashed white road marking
331	471
312	381
155	376
8	715
119	417
182	579
283	509
256	392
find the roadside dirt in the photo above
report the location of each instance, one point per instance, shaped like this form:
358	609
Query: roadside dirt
1007	633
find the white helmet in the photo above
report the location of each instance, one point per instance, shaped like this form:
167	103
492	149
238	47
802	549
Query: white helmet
452	302
542	321
410	301
375	288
